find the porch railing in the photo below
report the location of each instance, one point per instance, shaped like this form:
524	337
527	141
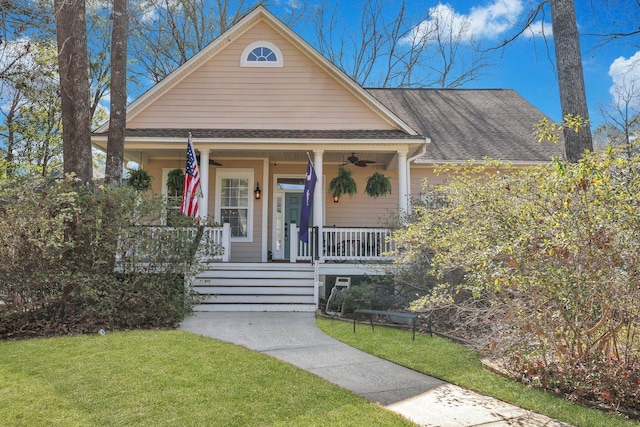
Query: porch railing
343	244
160	242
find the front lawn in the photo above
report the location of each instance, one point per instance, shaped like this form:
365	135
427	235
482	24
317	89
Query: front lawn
441	358
166	378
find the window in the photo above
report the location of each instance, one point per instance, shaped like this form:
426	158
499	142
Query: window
261	54
235	203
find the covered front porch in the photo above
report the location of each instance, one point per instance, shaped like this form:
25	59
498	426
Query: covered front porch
258	192
300	284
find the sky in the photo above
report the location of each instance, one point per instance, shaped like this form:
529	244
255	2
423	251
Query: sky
527	65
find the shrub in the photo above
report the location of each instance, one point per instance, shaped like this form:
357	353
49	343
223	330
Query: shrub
550	258
68	266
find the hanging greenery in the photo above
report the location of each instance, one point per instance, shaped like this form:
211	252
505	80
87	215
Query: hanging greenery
139	179
343	183
378	185
175	181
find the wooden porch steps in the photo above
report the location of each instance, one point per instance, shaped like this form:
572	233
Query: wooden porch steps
256	287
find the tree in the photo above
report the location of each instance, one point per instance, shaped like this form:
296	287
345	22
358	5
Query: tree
166	33
118	114
32	117
38	124
623	115
397	48
549	257
71	38
573	99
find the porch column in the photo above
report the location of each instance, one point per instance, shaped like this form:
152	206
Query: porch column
403	186
204	184
318	195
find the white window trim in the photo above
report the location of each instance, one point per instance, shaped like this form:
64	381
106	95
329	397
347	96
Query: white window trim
281	193
279	62
236	173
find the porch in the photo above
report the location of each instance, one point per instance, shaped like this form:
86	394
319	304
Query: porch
327	244
295	285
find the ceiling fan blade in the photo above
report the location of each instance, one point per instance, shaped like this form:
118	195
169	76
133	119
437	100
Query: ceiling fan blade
211	161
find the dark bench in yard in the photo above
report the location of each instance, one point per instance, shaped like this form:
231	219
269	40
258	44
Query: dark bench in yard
413	318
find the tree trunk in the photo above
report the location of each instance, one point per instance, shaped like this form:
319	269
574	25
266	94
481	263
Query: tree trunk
118	110
573	99
71	35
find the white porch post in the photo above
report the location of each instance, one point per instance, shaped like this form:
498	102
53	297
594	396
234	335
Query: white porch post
204	184
318	220
265	210
318	195
403	185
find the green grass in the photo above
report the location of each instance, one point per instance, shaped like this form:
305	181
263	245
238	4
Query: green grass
454	363
166	378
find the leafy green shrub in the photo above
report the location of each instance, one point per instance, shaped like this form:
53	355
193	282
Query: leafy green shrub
550	258
355	297
76	260
379	292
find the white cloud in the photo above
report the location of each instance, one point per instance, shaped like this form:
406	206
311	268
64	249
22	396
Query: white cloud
538	29
482	22
625	73
494	19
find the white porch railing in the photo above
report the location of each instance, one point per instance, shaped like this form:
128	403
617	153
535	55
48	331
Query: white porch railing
344	244
216	243
161	242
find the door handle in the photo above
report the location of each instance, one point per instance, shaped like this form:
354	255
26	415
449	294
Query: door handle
286	231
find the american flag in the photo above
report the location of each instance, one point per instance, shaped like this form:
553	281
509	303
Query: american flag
189	205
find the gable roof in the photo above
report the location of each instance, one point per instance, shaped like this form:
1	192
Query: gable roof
251	20
465	124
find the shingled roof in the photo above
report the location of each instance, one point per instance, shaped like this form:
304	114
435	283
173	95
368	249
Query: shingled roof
248	134
468	124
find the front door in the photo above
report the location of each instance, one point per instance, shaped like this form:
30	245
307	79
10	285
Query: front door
292	207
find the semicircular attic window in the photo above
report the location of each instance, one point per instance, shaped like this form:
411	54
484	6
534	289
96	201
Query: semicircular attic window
261	54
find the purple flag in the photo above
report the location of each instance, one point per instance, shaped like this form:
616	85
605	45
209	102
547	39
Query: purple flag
307	202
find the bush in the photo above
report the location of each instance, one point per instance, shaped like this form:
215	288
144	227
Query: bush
68	266
550	258
380	292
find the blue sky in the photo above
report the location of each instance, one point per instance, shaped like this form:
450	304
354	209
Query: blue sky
528	64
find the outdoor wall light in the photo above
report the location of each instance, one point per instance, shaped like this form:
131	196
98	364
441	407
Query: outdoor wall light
336	198
257	191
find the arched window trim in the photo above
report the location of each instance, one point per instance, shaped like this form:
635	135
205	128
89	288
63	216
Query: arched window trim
244	62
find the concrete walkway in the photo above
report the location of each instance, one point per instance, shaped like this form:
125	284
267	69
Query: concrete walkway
295	338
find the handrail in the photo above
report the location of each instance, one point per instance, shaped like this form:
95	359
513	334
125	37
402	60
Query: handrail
345	244
215	243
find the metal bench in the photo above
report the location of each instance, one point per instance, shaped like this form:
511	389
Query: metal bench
413	317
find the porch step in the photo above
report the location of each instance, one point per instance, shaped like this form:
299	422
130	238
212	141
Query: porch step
256	287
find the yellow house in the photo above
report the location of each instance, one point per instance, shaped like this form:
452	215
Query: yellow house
258	102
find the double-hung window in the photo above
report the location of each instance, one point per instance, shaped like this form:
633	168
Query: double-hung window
235	202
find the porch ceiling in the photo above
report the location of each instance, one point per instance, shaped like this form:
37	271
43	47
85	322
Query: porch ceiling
381	158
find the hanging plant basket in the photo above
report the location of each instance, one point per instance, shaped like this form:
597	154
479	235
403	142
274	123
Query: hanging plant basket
378	185
343	183
139	179
175	181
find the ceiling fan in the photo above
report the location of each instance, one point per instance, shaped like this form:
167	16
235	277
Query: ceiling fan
353	160
211	161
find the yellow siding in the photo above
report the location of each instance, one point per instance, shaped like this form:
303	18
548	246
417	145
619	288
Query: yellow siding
360	210
221	94
242	251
